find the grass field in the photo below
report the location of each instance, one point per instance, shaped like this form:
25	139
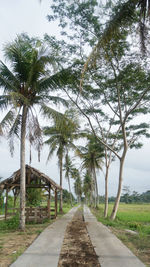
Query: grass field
131	216
135	217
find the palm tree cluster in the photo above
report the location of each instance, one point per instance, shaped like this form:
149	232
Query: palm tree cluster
92	159
30	81
60	139
34	78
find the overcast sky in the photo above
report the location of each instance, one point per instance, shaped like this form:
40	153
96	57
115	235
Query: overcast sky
17	16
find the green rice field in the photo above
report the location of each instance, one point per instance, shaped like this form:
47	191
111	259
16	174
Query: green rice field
134	217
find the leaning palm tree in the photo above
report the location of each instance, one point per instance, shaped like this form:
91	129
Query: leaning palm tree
91	156
60	139
26	83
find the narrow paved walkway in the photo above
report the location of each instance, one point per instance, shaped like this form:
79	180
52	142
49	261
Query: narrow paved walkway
110	250
45	250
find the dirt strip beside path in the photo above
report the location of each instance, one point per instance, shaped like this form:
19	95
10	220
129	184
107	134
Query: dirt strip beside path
77	249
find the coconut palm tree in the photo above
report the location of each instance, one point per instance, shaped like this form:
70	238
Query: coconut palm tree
77	184
87	187
91	156
60	138
26	83
68	167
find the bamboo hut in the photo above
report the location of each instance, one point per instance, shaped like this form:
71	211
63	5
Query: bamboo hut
34	179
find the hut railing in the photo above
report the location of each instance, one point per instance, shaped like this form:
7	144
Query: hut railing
33	214
37	214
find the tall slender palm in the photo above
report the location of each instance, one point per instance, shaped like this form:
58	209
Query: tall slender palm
60	139
26	83
77	184
92	156
68	167
87	187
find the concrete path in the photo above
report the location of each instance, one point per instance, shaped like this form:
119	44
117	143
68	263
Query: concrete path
110	250
45	250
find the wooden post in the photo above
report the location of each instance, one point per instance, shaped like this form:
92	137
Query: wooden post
6	203
49	203
28	175
35	215
15	197
55	203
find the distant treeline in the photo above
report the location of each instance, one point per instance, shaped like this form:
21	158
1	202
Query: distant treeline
128	197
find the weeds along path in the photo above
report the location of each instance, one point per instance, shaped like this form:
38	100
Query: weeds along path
77	249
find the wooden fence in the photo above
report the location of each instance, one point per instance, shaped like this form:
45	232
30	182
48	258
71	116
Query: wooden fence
34	214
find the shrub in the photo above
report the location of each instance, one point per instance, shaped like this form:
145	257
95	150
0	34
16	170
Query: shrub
10	224
134	225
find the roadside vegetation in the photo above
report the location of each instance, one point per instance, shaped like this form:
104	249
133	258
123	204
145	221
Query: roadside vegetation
46	74
103	95
13	241
132	227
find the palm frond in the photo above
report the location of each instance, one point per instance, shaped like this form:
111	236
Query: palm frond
34	134
6	84
48	131
51	113
52	150
80	134
18	53
49	83
60	79
58	100
5	100
37	68
15	127
14	131
7	121
9	76
50	140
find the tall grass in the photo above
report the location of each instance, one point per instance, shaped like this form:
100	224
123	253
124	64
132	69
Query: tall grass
130	216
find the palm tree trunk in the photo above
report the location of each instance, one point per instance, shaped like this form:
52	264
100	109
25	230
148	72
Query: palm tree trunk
22	168
70	190
116	205
61	192
96	188
106	193
92	198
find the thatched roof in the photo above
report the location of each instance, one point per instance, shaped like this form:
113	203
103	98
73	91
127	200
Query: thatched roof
32	175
